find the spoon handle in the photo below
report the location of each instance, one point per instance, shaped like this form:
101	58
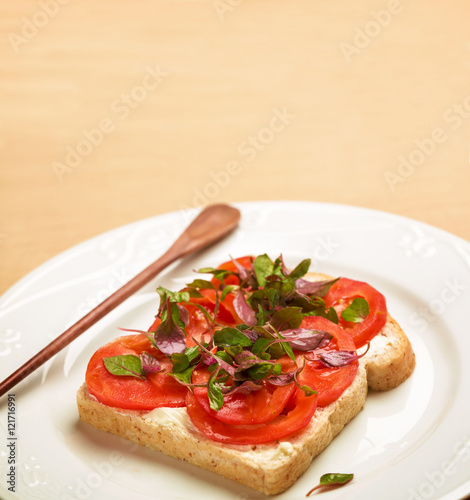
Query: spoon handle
211	225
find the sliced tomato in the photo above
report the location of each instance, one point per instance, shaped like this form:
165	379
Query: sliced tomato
159	389
257	407
343	292
245	261
283	425
226	314
330	383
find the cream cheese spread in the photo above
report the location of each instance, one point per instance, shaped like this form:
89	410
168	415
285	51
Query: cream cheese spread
179	417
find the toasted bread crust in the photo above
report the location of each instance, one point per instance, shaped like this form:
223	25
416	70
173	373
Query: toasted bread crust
269	469
390	359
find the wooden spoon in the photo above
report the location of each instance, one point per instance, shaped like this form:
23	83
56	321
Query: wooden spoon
212	224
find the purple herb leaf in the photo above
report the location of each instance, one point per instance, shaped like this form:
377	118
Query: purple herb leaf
184	314
304	339
247	359
258	367
334	359
245	387
243	272
244	311
317	288
170	337
223	364
288	378
208	359
283	379
150	364
251	334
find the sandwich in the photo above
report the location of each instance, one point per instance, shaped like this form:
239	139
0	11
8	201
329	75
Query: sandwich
251	373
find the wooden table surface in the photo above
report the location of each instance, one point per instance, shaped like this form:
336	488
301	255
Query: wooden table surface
113	111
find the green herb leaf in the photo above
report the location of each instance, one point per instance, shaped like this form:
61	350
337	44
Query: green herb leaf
226	290
180	362
126	364
226	355
279	267
251	366
286	347
256	299
273	297
284	288
357	311
233	350
332	480
219	274
287	318
206	313
332	315
243	326
260	316
300	270
308	391
214	391
184	376
194	292
275	349
259	345
264	267
173	296
192	353
319	309
277	369
231	336
260	371
204	284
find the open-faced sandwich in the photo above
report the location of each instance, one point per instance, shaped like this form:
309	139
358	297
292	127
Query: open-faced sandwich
251	374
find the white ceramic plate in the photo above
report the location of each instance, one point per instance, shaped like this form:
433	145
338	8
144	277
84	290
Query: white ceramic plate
411	443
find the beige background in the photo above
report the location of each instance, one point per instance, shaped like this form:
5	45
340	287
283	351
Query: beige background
292	100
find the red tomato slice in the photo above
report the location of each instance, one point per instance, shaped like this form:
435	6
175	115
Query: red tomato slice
255	408
283	425
230	266
342	293
330	383
130	392
226	314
